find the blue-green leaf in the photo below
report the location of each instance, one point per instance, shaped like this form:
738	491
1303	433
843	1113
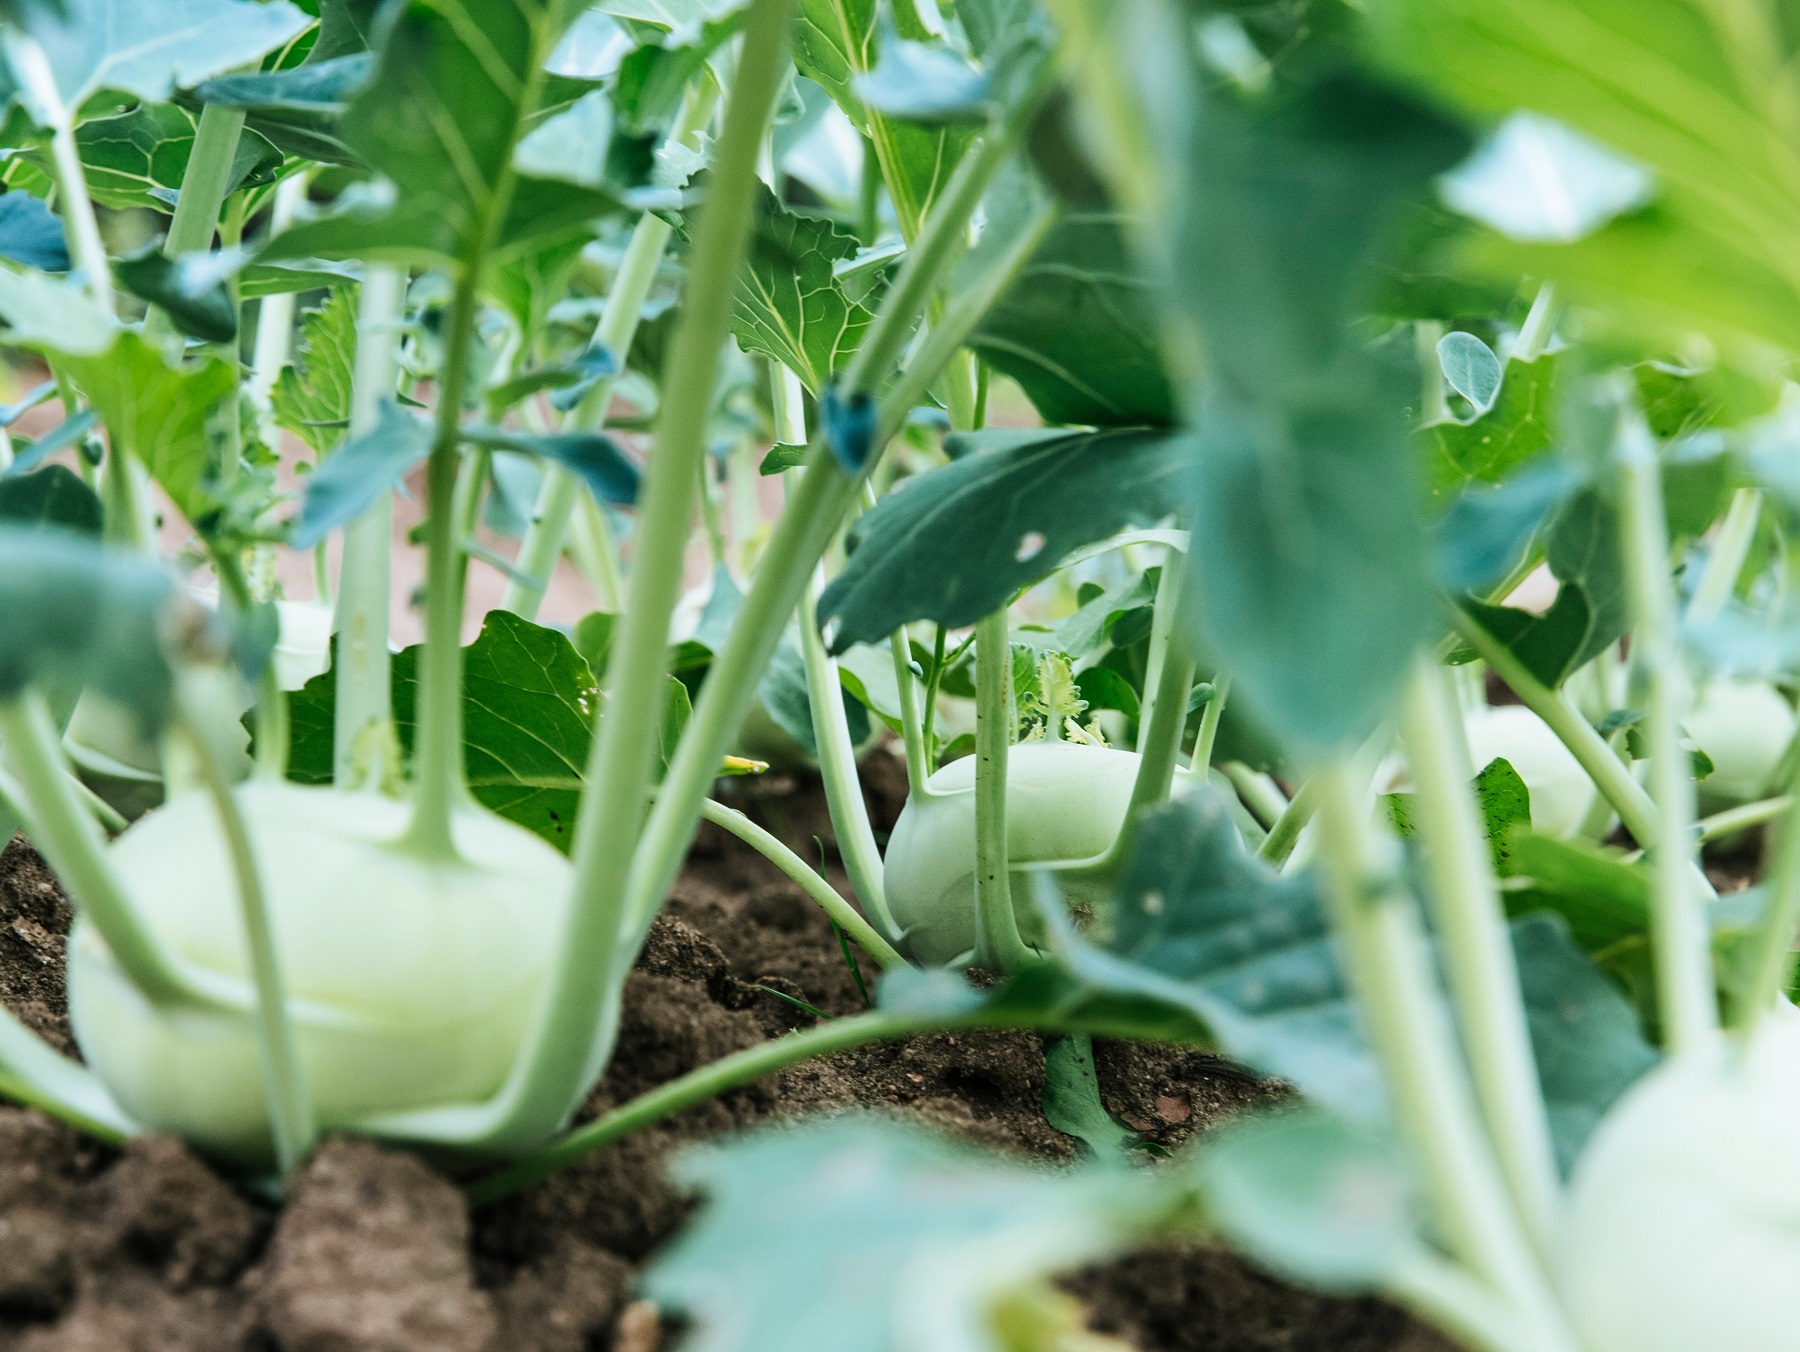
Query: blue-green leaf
350	479
31	234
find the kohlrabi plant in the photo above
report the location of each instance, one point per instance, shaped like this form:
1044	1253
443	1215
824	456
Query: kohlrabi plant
1306	487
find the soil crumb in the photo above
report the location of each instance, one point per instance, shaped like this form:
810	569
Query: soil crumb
149	1249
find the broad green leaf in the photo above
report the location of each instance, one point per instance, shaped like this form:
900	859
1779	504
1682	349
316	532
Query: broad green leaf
52	496
652	79
150	48
31	234
1535	179
451	94
1678	401
834	42
960	540
1314	1199
1505	805
922	82
1485	531
1501	438
1588	1043
530	702
1716	249
345	27
158	414
1470	368
351	478
782	694
1077	329
1198	924
1307	514
137	158
535	277
789	306
1591	609
1604	900
312	397
867	1236
53	315
610	474
193	291
83	615
298	110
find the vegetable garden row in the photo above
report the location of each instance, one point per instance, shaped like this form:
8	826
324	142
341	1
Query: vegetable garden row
1305	486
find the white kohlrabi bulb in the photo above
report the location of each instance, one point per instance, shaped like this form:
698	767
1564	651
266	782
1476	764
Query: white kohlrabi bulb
1064	802
303	647
1561	792
1743	726
1683	1230
423	974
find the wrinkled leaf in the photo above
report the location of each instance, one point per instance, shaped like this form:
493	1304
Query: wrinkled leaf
1487	449
311	398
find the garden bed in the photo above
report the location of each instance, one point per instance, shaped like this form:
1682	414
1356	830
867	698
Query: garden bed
150	1249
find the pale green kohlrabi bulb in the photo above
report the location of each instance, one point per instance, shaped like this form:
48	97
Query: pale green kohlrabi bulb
1561	792
1064	802
1683	1228
426	972
1743	727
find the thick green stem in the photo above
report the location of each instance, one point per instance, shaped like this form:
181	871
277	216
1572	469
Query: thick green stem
291	1117
80	225
1384	945
1769	967
1539	326
1603	766
439	785
1164	613
1730	549
1285	833
597	554
837	767
1471	926
1261	795
697	1086
1208	734
568	1044
998	946
275	315
824	494
361	740
912	727
204	184
1735	819
1160	744
928	733
32	1072
65	831
1678	931
561	491
842	913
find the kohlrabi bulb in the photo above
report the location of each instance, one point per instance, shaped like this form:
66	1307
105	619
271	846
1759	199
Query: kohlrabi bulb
1064	801
303	646
422	975
1744	726
1561	792
1683	1228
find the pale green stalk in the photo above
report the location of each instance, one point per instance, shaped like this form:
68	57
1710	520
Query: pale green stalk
1735	819
32	1072
1259	793
291	1116
361	735
1284	834
823	496
573	1031
697	1086
1434	403
837	766
204	184
1163	617
65	831
1539	326
1768	968
275	316
1736	534
1208	733
561	491
912	726
1385	949
596	554
1678	931
842	913
438	785
1603	766
80	225
1483	975
998	946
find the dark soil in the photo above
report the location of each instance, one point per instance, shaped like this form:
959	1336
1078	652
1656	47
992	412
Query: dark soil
150	1250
